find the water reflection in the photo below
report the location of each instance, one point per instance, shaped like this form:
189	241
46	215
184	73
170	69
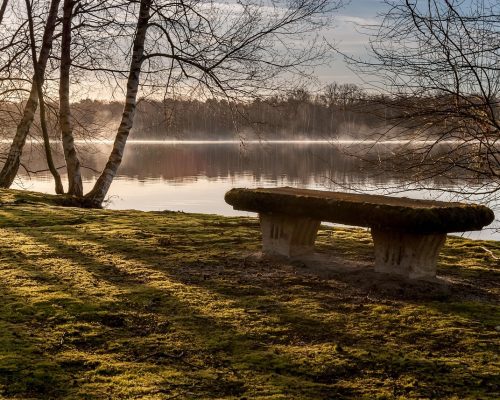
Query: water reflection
193	177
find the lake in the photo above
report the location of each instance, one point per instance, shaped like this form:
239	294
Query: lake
192	176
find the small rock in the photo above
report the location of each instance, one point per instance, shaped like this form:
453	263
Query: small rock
497	328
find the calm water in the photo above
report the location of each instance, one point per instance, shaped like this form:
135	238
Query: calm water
193	176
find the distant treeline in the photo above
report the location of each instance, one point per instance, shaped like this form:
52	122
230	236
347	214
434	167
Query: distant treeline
339	111
300	114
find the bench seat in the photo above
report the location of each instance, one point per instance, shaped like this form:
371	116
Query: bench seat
407	233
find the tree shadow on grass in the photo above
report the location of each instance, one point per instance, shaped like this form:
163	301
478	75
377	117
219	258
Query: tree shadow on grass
303	328
29	366
208	342
261	335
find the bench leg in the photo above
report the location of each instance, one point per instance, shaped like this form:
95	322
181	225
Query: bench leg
409	254
288	236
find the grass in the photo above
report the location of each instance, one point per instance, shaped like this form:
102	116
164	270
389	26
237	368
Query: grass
100	304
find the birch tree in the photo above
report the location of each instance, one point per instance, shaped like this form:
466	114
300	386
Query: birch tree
223	50
39	89
12	162
75	185
231	51
96	196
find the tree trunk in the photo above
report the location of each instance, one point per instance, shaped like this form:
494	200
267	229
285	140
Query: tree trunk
96	196
43	120
11	166
72	162
3	7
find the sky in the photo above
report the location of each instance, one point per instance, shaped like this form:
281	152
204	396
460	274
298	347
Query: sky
346	36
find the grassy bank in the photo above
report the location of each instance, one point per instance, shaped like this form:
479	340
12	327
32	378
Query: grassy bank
99	304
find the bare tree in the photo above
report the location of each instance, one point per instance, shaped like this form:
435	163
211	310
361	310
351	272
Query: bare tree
437	66
229	52
96	196
341	97
226	51
75	185
87	50
12	162
43	120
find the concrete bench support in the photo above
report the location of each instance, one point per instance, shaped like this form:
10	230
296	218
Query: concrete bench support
288	236
411	255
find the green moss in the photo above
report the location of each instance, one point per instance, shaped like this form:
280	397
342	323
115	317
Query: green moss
98	304
374	211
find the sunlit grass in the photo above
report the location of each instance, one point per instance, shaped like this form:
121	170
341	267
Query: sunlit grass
100	304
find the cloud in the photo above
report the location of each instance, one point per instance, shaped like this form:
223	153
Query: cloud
350	33
351	19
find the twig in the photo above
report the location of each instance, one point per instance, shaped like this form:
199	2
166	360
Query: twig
490	253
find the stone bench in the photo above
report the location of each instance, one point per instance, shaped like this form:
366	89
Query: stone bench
407	233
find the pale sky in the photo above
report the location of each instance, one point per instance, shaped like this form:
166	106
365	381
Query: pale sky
344	34
348	39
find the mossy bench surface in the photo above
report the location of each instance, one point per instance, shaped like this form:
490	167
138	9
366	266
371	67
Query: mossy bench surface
375	211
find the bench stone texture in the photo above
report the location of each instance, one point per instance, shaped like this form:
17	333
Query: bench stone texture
407	233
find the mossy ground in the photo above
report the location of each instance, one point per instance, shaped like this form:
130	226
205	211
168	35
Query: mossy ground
99	304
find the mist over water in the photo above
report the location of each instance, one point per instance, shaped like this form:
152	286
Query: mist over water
193	176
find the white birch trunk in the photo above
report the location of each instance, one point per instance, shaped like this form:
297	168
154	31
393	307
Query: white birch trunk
97	195
43	121
75	186
11	166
